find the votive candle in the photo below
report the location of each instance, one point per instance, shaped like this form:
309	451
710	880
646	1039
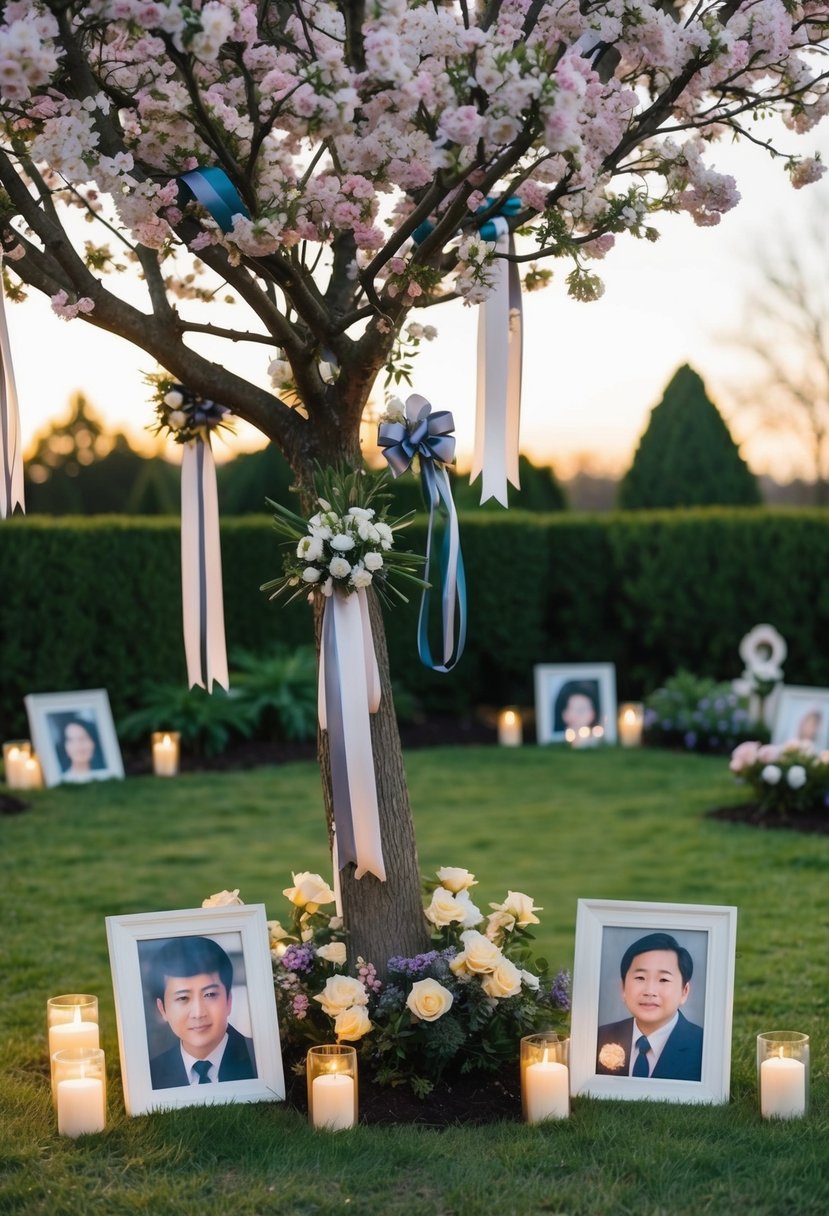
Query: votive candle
783	1074
331	1071
510	728
165	753
80	1086
545	1077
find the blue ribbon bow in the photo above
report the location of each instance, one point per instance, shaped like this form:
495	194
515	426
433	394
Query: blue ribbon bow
507	207
215	191
428	436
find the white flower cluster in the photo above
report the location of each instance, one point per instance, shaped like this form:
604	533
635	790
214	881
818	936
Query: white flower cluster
343	551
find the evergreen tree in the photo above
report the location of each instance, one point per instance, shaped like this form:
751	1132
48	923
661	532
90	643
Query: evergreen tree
686	457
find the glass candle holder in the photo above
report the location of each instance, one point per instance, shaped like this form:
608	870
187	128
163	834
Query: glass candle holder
16	755
80	1089
510	728
545	1077
331	1072
72	1022
631	723
166	745
783	1074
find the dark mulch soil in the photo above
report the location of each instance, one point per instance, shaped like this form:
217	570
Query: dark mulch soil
751	815
479	1097
9	805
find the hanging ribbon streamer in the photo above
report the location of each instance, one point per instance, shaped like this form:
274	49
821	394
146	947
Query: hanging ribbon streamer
201	568
213	189
11	449
500	343
349	691
428	436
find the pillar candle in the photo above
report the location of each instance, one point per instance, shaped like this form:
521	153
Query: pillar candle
547	1091
509	728
81	1106
782	1088
73	1034
14	763
333	1101
165	756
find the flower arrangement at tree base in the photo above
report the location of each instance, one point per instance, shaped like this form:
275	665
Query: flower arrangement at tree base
458	1010
788	781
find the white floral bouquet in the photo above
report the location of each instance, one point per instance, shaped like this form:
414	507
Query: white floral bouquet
185	415
462	1005
347	544
789	779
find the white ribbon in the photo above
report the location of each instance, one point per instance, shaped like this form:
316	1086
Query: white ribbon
201	569
11	448
349	690
498	403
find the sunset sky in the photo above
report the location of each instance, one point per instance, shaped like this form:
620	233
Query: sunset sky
592	372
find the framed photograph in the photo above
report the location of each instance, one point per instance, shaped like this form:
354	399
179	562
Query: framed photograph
195	1008
74	736
802	713
575	703
653	989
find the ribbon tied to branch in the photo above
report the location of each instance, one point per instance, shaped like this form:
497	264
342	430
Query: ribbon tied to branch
11	447
213	189
428	437
500	345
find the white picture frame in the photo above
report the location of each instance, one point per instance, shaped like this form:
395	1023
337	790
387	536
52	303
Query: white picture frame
152	1055
74	736
699	1043
801	713
584	691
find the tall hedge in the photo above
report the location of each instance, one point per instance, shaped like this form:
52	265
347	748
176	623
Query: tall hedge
88	603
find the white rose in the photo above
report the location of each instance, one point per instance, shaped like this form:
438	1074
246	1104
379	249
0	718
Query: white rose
309	891
310	548
429	1000
395	411
796	777
482	955
334	953
328	587
311	574
360	577
384	535
444	908
373	561
472	915
173	399
771	774
367	531
352	1024
456	879
361	512
339	567
530	980
342	543
177	419
340	993
222	899
504	981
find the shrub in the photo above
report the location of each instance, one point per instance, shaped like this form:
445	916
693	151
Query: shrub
698	714
206	722
278	691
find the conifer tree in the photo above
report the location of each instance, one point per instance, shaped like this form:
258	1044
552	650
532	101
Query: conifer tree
687	457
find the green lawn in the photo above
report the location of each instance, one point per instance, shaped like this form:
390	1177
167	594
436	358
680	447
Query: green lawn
557	824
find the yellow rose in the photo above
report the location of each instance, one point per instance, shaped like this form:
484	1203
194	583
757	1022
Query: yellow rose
497	924
504	981
340	993
276	932
309	891
481	955
445	909
454	879
429	1000
352	1023
222	899
458	967
520	908
334	953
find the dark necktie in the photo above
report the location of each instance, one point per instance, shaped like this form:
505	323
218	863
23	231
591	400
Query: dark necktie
202	1067
640	1064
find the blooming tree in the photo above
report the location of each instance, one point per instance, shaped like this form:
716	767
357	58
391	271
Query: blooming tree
344	131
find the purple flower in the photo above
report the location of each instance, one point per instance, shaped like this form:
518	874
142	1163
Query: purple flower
413	967
690	740
298	958
560	991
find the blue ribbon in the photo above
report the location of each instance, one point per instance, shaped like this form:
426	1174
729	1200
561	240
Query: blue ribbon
509	206
428	436
213	189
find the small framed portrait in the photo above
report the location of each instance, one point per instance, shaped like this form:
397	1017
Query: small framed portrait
653	989
74	736
575	703
195	1008
803	714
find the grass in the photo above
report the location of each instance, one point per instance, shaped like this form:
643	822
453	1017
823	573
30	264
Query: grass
559	825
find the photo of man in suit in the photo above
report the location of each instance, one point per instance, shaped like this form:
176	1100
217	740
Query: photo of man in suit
191	982
657	1040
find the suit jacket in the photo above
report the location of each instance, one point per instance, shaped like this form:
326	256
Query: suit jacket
681	1058
237	1064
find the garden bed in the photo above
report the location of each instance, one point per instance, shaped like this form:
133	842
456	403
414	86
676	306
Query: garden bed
750	814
